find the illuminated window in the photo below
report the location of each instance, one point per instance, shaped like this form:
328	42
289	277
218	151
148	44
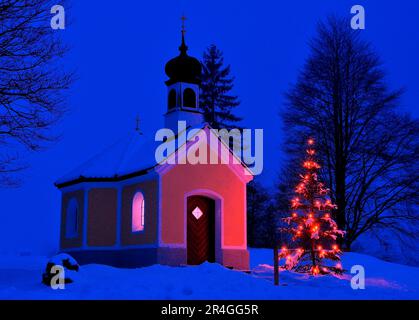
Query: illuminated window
72	217
138	212
189	98
172	99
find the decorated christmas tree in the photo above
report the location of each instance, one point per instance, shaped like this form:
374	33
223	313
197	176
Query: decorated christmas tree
313	230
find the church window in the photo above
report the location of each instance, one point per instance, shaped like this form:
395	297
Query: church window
138	212
72	217
189	98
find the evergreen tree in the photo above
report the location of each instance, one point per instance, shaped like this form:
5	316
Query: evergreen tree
261	217
215	97
311	224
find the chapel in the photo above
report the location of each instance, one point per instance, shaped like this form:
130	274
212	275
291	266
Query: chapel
123	208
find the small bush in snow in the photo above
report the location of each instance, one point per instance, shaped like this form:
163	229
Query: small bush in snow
68	264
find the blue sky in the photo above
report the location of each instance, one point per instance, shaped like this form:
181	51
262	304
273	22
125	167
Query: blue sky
119	49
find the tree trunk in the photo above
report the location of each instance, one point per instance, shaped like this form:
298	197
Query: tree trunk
340	197
313	258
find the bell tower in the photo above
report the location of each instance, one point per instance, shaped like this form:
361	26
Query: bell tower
184	74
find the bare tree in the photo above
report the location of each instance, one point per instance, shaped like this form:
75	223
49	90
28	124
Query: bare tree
31	81
369	150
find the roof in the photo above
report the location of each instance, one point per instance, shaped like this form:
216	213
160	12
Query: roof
130	156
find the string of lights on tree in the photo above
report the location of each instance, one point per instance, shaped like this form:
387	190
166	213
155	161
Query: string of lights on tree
313	230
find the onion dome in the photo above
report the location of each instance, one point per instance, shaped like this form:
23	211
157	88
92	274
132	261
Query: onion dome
183	68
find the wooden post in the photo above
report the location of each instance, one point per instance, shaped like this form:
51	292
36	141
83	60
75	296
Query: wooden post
276	267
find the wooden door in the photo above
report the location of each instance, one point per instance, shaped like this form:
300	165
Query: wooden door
200	230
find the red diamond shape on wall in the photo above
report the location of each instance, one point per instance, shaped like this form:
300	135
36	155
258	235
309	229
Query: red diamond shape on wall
197	213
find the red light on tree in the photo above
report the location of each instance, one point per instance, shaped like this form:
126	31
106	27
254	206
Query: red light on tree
311	152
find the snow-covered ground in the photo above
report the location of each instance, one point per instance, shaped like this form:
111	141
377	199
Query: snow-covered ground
20	278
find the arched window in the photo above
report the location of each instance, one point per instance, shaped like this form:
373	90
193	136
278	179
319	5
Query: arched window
72	216
189	98
138	212
172	99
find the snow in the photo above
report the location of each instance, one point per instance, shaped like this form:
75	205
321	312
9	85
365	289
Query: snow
20	278
129	154
59	258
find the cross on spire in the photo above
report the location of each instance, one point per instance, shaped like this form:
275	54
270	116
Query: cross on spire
183	18
137	124
183	47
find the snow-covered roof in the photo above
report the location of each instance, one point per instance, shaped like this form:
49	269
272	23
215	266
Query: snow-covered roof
130	154
134	153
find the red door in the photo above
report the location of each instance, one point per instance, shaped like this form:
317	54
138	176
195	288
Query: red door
200	230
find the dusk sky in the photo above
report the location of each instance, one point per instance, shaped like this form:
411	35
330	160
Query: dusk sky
119	50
